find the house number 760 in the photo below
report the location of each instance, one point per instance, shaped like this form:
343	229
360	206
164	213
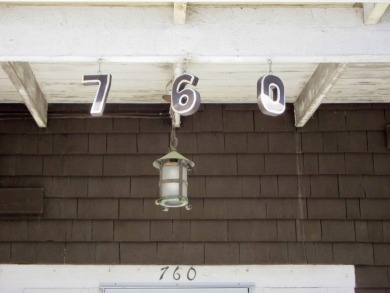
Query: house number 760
191	273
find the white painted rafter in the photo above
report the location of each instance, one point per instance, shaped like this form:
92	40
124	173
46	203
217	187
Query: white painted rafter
319	84
373	12
23	79
179	12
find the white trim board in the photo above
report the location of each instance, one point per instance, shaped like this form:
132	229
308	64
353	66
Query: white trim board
88	278
197	2
177	290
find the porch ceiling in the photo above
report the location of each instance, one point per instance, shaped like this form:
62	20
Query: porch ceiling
225	44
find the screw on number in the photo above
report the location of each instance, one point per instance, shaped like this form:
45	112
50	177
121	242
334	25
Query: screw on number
104	83
185	101
270	95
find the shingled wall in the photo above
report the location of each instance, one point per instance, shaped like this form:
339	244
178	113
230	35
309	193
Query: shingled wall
263	192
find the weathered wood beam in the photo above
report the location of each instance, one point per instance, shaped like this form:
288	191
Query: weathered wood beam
319	84
213	35
374	11
179	12
23	79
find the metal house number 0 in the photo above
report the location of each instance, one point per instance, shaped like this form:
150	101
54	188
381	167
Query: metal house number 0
191	273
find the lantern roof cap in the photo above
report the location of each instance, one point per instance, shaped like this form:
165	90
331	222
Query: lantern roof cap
173	155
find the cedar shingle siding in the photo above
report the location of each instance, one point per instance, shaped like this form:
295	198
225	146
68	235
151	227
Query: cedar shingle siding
263	192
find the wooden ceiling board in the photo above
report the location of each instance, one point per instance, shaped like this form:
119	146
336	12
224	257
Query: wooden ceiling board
73	71
191	3
146	83
63	83
237	83
8	93
362	83
219	83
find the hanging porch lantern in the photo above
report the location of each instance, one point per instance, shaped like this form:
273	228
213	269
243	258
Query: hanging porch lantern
173	180
173	184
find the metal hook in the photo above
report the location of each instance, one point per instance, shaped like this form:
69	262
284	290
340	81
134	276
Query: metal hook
269	66
169	85
184	66
173	141
99	64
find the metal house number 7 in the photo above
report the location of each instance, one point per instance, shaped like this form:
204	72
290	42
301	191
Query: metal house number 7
104	83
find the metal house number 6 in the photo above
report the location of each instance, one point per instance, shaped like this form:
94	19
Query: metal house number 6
185	101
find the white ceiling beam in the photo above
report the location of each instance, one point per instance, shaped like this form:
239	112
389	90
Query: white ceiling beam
164	2
374	11
319	84
179	12
217	59
23	79
215	34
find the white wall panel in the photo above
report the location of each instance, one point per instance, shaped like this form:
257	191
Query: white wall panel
84	278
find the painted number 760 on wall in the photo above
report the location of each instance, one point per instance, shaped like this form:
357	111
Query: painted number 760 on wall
191	273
